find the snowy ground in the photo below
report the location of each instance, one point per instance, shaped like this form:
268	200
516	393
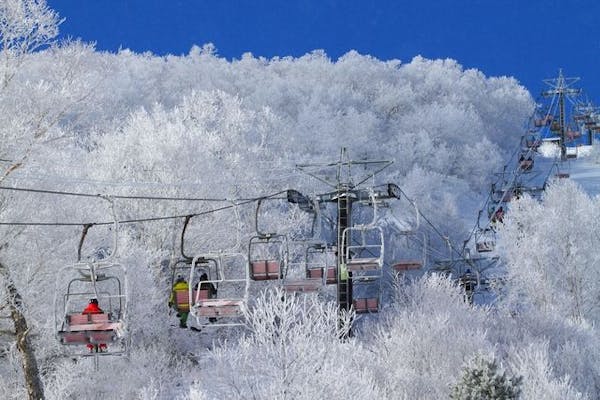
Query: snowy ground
586	173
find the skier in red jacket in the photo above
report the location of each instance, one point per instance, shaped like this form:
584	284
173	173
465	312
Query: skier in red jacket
94	308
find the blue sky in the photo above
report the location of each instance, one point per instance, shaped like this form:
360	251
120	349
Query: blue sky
527	39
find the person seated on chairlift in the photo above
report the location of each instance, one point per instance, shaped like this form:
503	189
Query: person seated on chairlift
94	308
179	285
518	192
203	284
498	215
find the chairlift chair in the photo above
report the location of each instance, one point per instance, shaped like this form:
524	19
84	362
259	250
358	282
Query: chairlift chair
104	333
363	260
320	263
485	240
267	256
540	122
363	256
526	164
298	276
416	253
102	279
228	275
267	253
571	152
531	142
182	269
573	134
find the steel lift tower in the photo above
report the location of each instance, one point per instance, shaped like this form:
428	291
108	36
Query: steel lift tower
560	88
348	179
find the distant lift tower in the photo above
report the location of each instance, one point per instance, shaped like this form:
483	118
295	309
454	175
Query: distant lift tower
348	178
559	89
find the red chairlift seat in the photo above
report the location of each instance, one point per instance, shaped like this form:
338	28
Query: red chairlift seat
219	308
91	322
542	121
101	337
407	265
74	338
363	264
89	328
485	246
526	165
317	273
302	285
366	305
262	270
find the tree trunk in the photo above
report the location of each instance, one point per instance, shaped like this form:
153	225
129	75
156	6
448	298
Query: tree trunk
31	372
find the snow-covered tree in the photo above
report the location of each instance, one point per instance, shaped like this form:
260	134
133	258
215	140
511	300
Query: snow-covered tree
550	249
483	380
296	348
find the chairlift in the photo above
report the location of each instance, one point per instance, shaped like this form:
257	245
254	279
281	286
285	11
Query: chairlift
540	122
307	262
216	282
560	173
416	253
363	261
531	142
218	290
302	276
485	240
469	281
525	164
495	212
179	297
104	281
571	152
573	134
181	271
320	263
267	254
504	195
102	333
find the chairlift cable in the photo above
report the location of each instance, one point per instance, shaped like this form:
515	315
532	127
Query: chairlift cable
150	219
80	194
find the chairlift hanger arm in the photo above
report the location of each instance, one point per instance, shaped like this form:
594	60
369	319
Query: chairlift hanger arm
304	202
182	244
86	227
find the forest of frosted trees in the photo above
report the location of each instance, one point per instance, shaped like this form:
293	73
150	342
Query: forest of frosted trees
77	120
